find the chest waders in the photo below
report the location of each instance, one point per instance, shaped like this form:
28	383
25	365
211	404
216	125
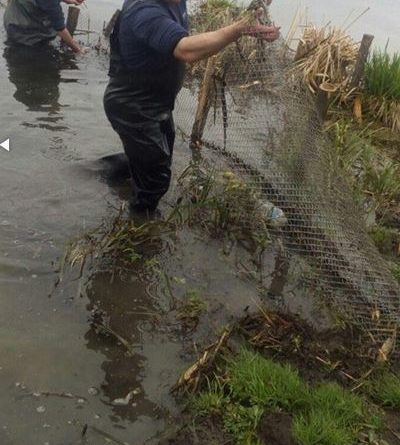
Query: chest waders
139	107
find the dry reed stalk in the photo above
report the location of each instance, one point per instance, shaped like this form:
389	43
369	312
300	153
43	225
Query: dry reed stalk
190	379
215	14
324	59
357	109
294	26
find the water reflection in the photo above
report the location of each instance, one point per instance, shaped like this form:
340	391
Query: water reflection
123	309
35	72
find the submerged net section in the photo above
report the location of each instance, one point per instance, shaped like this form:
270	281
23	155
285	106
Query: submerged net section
244	105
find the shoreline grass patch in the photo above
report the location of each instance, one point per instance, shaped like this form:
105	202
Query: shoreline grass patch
254	386
266	383
382	87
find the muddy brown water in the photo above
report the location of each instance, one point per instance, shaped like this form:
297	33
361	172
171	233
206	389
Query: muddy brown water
57	372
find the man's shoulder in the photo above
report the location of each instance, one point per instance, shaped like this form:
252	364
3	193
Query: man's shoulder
135	6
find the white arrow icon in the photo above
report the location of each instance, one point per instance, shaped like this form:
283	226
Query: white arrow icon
6	144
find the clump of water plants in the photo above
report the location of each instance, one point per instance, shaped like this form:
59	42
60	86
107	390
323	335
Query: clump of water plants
223	204
189	312
382	87
120	242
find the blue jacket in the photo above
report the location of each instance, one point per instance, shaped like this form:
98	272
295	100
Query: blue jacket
149	31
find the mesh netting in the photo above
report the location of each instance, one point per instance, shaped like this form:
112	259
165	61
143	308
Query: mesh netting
247	114
243	105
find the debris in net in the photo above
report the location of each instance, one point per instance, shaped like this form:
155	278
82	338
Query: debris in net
275	216
41	409
293	166
387	348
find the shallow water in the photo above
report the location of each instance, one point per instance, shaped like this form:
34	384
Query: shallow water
51	192
57	371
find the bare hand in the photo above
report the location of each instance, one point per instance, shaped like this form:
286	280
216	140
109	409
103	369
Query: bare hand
268	33
82	51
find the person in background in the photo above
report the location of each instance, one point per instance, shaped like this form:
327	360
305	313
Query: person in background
150	45
37	22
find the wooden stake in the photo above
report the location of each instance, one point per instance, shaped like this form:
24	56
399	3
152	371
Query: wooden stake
362	57
204	104
73	17
322	104
110	25
299	51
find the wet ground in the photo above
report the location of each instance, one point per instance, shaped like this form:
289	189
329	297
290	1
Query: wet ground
58	373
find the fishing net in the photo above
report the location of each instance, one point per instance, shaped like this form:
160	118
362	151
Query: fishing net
255	125
244	110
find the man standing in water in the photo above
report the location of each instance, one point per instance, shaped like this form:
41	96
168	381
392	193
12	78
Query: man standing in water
150	45
33	23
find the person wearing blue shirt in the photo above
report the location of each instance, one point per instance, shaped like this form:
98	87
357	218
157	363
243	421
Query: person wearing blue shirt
37	22
150	45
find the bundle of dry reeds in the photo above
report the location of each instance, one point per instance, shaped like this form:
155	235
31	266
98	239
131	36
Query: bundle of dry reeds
215	14
325	58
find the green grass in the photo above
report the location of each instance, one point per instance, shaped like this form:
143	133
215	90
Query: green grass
395	268
385	389
351	145
343	406
266	383
373	176
385	239
383	182
211	401
321	428
253	385
382	75
242	422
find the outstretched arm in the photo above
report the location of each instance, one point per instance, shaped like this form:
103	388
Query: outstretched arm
193	48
